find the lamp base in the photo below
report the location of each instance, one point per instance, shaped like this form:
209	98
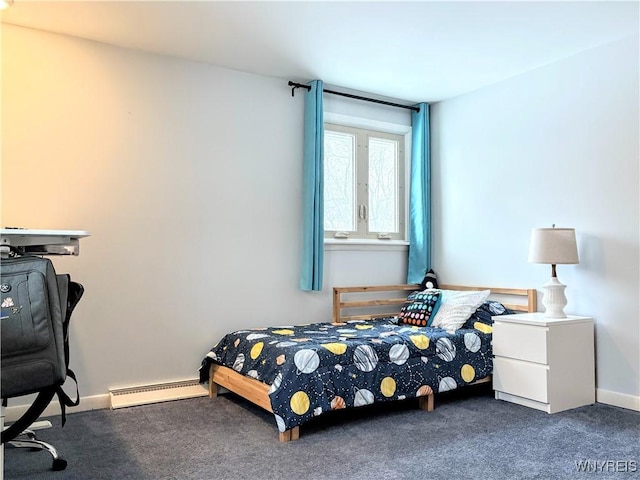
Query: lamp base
554	299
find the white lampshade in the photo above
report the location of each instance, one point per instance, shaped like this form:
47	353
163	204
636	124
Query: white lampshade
553	246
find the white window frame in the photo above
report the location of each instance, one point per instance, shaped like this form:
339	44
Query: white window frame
383	127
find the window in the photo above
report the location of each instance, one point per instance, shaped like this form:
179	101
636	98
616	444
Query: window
364	194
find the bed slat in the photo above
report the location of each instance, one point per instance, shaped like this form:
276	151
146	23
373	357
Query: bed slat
340	303
373	303
366	317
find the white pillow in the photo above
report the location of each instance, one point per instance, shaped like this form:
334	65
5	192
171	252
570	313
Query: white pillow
456	307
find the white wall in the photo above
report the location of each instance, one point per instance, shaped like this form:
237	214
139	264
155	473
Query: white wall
556	145
188	178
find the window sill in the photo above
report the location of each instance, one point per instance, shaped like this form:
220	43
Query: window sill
331	244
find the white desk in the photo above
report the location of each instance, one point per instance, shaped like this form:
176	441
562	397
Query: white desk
43	242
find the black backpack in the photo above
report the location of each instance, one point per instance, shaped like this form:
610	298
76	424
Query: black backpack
36	309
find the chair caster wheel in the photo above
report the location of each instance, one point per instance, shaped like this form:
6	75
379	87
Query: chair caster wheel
59	464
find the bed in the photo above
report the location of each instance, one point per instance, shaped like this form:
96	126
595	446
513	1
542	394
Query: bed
364	356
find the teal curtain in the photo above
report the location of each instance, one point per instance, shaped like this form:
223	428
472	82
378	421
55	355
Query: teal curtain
420	197
313	211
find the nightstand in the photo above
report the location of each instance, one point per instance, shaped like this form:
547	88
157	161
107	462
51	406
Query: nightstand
544	363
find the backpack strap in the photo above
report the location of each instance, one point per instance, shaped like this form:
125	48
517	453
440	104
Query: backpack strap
64	399
71	293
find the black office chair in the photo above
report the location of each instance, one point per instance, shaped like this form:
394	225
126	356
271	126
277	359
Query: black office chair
18	434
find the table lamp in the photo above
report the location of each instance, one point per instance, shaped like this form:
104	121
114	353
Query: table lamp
553	246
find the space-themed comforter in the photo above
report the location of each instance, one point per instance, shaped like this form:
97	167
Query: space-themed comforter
320	367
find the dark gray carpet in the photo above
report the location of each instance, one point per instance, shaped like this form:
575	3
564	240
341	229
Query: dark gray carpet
469	435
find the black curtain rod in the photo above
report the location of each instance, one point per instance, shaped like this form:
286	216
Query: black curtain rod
349	95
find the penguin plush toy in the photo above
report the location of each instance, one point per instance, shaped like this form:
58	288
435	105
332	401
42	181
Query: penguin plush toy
430	280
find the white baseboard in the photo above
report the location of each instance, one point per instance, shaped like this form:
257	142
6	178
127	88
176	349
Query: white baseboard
118	398
94	402
97	402
617	399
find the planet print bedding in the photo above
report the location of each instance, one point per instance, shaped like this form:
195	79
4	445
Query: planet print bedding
316	368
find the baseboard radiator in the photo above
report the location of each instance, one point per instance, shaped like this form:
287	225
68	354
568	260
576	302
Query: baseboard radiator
160	392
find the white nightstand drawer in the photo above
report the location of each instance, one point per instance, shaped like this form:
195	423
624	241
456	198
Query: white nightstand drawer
522	342
519	378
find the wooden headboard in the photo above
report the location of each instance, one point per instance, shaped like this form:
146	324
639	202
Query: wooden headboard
387	300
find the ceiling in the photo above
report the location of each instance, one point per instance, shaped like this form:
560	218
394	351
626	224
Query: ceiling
413	51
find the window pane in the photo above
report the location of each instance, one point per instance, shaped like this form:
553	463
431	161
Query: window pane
339	181
383	185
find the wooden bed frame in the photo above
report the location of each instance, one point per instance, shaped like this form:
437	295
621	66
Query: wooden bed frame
382	306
